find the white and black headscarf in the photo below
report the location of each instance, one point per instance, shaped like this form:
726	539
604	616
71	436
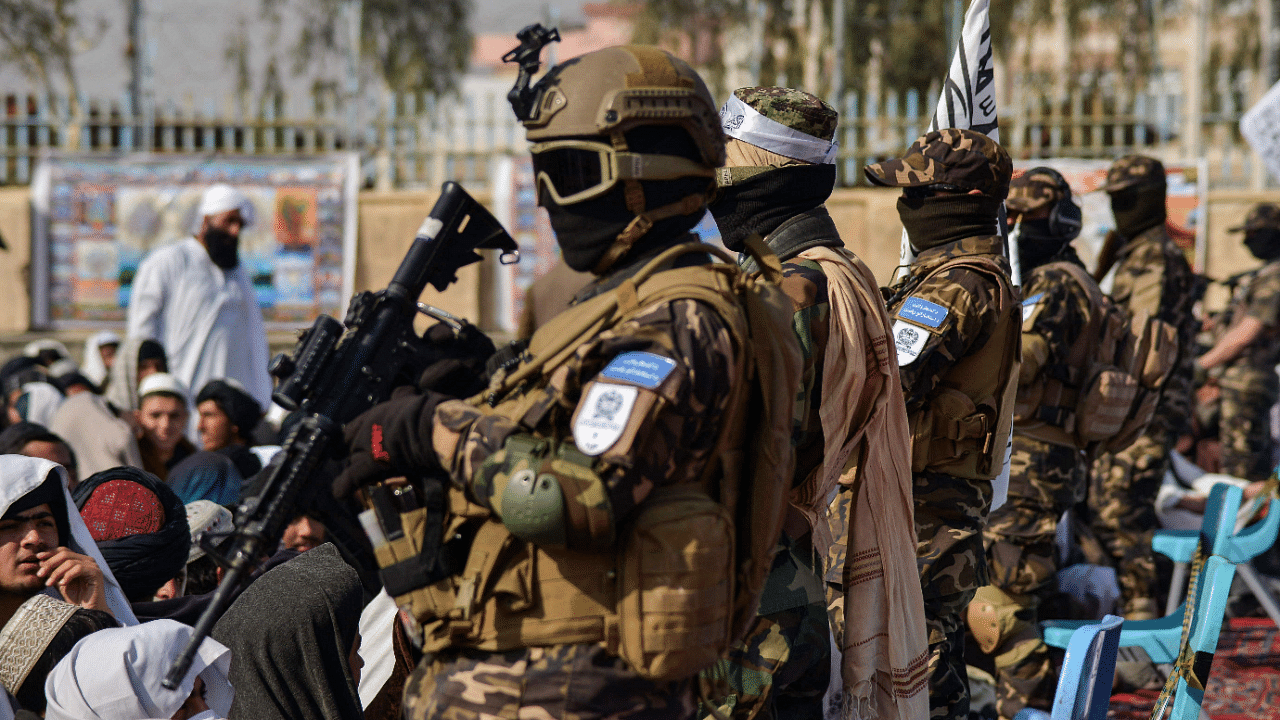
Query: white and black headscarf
26	482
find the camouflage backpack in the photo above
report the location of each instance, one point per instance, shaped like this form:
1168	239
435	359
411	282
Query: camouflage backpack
1106	394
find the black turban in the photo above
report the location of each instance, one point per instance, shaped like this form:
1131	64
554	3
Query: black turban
243	410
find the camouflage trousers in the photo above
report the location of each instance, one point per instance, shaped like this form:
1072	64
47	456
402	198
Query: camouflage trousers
950	514
948	675
1021	543
1122	495
1245	428
782	668
565	682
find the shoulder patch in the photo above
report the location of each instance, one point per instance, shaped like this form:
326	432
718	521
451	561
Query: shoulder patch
602	416
909	341
923	312
641	368
1029	305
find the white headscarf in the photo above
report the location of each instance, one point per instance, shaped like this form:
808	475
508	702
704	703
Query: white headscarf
116	674
93	367
43	400
35	347
20	475
220	198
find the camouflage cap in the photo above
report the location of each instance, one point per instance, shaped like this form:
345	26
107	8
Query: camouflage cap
964	158
1033	190
1262	217
1134	171
796	109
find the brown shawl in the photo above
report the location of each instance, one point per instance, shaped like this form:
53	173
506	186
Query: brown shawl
885	648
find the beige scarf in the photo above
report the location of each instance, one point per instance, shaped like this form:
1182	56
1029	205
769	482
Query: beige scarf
885	648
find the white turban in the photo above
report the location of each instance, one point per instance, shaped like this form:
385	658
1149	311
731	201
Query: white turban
220	198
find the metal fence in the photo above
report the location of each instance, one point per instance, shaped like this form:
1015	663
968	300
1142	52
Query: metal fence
415	141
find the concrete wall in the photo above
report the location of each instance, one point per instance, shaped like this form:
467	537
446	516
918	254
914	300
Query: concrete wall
867	218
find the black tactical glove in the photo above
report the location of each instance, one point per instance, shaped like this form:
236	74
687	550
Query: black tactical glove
460	371
392	439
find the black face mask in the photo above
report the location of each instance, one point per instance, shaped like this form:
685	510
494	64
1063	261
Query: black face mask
942	219
223	247
1138	209
1264	243
761	203
1036	245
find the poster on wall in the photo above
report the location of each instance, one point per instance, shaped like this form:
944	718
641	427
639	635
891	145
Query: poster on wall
97	217
1186	189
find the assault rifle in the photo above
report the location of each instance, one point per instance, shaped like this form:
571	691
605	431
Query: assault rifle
339	370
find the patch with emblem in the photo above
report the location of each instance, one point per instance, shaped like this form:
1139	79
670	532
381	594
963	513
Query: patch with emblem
923	312
603	416
641	368
909	341
1029	306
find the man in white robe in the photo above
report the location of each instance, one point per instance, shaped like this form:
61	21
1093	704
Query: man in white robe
195	298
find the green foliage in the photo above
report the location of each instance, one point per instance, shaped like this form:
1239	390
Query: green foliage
411	45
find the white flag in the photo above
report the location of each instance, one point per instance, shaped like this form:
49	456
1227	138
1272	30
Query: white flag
968	97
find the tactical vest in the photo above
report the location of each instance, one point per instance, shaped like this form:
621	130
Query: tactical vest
685	579
964	426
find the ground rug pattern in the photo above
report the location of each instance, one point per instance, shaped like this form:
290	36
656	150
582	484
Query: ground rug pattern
1244	683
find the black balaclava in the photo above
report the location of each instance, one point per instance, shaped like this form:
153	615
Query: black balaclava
759	204
934	221
223	247
1138	208
1036	245
586	230
1264	243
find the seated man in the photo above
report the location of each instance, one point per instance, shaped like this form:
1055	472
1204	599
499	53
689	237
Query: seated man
227	416
44	547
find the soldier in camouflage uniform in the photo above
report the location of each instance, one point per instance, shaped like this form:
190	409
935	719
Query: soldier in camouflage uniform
1152	275
1245	354
778	173
549	476
957	335
1045	477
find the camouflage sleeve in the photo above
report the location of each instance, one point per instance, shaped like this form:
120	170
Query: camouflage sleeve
1054	313
1264	297
804	282
947	316
639	406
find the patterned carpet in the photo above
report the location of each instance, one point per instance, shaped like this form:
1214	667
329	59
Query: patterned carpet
1244	683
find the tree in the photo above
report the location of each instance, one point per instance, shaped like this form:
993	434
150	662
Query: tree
407	45
41	37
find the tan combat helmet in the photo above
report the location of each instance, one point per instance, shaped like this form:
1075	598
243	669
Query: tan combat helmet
578	132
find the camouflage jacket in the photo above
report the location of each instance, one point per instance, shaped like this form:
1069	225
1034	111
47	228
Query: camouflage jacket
961	297
1054	313
1152	274
1259	298
643	401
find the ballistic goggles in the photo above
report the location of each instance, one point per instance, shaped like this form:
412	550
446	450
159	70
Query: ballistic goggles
577	170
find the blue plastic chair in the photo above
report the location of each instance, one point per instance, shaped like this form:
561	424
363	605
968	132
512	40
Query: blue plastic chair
1162	638
1084	688
1239	548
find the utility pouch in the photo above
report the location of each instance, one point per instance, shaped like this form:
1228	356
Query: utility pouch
415	563
676	585
953	435
1104	404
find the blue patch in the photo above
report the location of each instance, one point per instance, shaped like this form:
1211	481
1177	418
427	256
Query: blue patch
922	311
641	368
1032	300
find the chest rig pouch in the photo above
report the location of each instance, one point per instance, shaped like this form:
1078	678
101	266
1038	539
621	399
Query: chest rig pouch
683	578
965	424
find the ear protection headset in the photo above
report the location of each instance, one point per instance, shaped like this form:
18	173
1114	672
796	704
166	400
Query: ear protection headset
1066	218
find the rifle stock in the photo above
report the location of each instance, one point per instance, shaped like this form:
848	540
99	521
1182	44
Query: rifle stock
339	370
